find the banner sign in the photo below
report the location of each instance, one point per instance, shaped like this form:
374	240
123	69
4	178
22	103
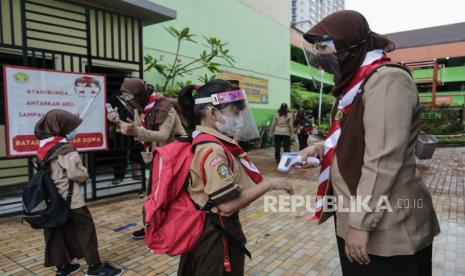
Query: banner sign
32	92
256	89
444	100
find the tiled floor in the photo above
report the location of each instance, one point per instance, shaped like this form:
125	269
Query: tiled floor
281	243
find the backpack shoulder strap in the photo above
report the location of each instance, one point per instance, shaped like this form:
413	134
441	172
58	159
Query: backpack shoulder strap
69	196
70	182
387	64
47	156
205	138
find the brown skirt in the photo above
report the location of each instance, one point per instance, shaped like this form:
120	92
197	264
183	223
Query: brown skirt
76	239
207	259
418	264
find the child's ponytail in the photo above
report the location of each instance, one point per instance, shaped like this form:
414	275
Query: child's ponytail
187	103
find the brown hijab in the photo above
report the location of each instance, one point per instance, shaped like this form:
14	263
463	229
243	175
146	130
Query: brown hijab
57	122
139	89
348	28
141	92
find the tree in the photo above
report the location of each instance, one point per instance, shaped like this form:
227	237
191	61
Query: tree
208	59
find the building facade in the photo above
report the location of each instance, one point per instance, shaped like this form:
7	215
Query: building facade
112	38
306	13
82	36
441	45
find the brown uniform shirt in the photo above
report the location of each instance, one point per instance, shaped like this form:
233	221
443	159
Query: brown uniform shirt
165	134
222	182
282	125
64	168
391	123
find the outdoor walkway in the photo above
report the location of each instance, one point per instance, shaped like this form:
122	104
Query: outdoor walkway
281	244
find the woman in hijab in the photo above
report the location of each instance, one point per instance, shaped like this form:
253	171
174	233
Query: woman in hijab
156	121
282	129
369	153
77	238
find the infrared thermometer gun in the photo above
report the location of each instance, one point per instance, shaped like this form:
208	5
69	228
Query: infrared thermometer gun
290	159
110	109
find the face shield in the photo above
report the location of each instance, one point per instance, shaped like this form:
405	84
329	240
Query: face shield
321	57
238	123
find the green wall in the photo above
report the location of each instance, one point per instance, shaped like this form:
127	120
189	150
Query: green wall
458	97
259	45
448	74
303	71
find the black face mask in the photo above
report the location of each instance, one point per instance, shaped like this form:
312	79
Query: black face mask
134	105
330	64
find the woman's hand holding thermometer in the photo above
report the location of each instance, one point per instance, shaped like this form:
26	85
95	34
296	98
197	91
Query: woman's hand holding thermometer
290	159
316	151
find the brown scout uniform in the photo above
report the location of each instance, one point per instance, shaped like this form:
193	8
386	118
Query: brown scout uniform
166	132
391	124
78	237
282	125
222	185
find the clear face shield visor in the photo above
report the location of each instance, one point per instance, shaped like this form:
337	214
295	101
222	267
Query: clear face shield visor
238	124
321	57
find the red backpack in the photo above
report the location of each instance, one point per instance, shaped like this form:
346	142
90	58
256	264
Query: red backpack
173	224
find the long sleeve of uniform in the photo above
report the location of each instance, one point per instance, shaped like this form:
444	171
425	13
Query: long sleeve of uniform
163	133
72	163
390	101
273	124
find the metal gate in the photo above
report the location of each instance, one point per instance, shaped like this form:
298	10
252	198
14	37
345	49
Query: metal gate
77	38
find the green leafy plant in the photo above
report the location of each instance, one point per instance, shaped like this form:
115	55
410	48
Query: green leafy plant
442	121
323	129
215	52
451	140
264	131
310	101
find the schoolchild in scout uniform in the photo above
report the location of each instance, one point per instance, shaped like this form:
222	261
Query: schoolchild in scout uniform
223	179
77	238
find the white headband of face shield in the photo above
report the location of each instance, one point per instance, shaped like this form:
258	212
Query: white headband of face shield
223	97
244	126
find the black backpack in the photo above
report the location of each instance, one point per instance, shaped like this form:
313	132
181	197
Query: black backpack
43	206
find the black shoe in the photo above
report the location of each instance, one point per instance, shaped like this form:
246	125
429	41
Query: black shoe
117	181
139	234
68	269
104	269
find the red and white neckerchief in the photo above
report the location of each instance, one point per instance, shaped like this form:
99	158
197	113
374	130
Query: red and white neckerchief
372	60
147	109
246	163
47	144
149	106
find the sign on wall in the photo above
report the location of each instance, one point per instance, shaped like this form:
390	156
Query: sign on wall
257	90
32	92
443	100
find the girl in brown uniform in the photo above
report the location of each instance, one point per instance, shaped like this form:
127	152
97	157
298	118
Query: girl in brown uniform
225	186
77	238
